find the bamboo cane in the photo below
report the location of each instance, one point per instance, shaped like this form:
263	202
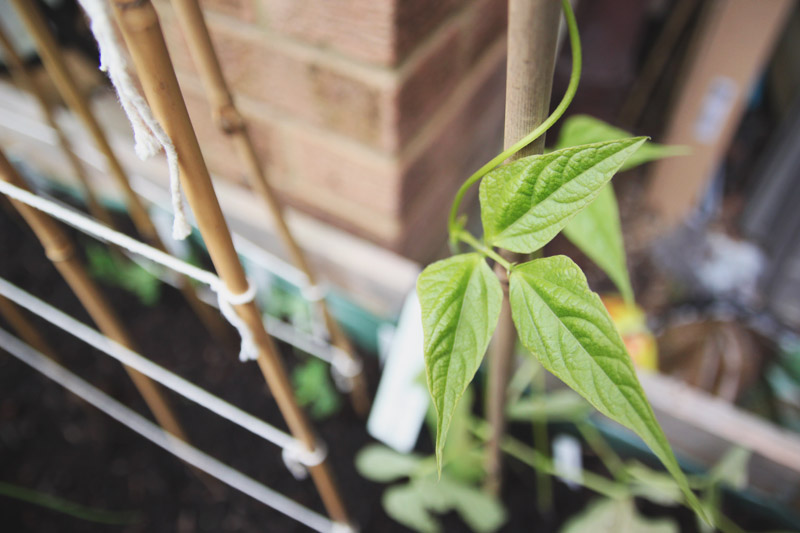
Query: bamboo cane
532	41
141	30
26	331
60	250
20	73
231	122
57	69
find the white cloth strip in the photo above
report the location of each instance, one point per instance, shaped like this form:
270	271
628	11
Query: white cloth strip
91	227
148	134
185	452
296	448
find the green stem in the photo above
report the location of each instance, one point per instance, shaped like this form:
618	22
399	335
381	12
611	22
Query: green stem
577	60
603	450
535	460
67	507
468	238
544	492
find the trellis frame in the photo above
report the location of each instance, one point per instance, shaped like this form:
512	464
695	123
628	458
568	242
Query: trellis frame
231	123
141	30
65	83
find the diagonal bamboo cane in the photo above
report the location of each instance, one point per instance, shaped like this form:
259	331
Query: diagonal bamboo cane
56	67
231	122
60	250
141	30
20	73
26	331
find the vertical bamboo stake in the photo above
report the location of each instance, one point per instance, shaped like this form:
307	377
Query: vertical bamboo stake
57	69
61	252
18	70
532	40
231	123
142	33
26	331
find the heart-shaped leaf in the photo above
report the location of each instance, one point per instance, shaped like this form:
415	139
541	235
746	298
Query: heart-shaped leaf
524	204
565	325
583	129
616	516
460	299
597	233
596	229
384	465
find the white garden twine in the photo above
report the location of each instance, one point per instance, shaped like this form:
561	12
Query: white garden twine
148	134
225	298
186	452
296	455
343	366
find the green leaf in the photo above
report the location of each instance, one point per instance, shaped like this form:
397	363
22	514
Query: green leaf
460	299
410	506
314	389
597	233
464	457
383	465
655	486
565	325
731	470
524	204
596	230
481	512
583	129
616	516
557	406
112	269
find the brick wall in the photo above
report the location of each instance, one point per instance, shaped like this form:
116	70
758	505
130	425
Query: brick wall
367	113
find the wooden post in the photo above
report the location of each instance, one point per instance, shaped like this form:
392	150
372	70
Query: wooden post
230	121
26	331
57	69
60	250
532	41
20	73
142	33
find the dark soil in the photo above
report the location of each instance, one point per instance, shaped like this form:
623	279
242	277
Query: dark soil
53	443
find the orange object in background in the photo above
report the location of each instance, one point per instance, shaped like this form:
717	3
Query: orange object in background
631	322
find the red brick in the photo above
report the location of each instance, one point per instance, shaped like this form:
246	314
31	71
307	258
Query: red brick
486	22
219	151
336	136
303	87
317	164
469	139
369	108
428	85
359	28
378	31
415	20
244	10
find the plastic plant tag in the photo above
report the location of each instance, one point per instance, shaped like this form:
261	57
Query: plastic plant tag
402	399
568	460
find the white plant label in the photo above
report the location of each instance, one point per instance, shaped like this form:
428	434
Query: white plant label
402	399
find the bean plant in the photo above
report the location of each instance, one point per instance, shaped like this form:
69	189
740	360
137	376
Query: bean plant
524	205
